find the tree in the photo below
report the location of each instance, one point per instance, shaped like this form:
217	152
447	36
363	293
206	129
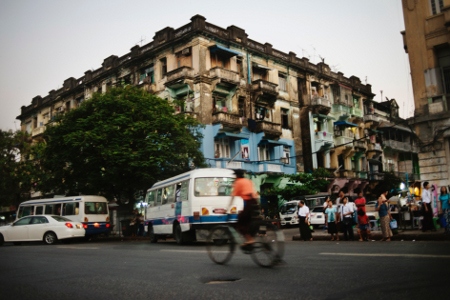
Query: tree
18	172
117	143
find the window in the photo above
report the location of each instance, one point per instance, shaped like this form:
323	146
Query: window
436	6
184	58
71	209
163	62
282	82
39	220
284	118
53	209
93	208
221	104
24	221
158	197
28	127
39	210
168	194
213	186
219	60
241	107
446	79
151	198
264	152
259	73
262	113
355	102
286	155
240	68
222	148
182	192
26	211
147	75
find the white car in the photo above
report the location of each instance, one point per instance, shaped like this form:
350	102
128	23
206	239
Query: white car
317	216
48	229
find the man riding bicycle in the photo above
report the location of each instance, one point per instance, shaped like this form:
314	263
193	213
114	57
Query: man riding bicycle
243	187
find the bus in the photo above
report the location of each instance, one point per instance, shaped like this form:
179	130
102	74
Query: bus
186	206
91	211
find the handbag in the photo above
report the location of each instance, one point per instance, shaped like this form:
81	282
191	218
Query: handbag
393	224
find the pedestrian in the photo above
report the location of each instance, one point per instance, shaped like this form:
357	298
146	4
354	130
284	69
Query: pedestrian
346	213
385	216
427	222
444	200
325	204
341	196
360	203
243	187
303	214
330	220
363	226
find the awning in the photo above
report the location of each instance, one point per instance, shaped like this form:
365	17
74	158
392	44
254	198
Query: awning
374	161
239	136
277	143
345	123
390	125
218	48
322	117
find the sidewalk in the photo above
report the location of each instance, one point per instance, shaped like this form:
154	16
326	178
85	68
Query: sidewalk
292	234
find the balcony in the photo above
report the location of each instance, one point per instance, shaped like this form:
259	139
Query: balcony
344	141
400	146
229	120
356	112
37	131
371	118
360	144
374	147
270	129
224	75
323	136
361	174
342	109
265	92
270	167
320	101
178	76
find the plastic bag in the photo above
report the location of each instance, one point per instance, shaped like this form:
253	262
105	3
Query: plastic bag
393	224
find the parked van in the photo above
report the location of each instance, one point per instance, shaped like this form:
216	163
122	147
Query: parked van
289	210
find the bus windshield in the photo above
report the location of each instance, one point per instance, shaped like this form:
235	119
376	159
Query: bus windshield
213	186
288	208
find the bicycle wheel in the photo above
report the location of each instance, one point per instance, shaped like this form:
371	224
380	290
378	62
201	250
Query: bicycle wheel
268	249
220	244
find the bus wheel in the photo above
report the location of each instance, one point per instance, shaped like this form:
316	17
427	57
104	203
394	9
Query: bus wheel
151	234
178	234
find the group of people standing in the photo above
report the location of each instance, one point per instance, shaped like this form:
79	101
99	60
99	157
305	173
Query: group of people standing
427	210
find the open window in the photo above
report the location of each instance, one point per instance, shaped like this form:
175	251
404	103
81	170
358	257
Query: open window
260	72
184	58
263	113
147	75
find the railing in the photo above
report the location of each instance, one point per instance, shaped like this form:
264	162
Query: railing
227	118
361	174
270	167
356	112
265	86
317	100
268	127
344	141
324	136
225	74
371	118
360	144
38	130
374	147
338	108
180	73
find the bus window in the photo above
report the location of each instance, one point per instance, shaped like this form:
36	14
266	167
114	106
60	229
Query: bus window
95	208
53	209
39	210
168	194
150	199
70	209
213	186
183	191
25	211
158	197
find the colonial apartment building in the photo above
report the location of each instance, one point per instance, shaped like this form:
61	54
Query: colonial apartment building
264	110
426	40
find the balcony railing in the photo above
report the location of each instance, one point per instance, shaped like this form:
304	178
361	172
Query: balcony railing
224	74
344	141
360	144
180	73
321	101
338	108
38	131
371	118
268	128
265	86
270	167
229	120
356	112
323	136
374	147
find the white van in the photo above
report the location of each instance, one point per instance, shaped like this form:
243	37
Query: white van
289	210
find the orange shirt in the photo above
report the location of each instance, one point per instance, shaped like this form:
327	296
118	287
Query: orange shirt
243	187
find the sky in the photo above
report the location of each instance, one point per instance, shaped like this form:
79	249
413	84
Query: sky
44	42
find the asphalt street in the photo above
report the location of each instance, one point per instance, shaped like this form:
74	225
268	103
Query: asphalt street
137	269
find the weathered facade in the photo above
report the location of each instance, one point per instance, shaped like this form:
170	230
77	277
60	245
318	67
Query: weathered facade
426	40
264	110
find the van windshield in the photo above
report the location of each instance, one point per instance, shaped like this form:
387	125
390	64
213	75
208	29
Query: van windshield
213	186
288	208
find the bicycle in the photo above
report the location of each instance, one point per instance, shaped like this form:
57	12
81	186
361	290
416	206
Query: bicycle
267	250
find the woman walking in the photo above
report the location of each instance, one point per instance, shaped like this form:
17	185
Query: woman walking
444	199
303	214
385	217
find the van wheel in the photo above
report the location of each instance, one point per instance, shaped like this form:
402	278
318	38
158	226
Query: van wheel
151	234
50	238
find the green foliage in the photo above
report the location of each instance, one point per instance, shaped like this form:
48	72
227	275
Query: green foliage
18	171
117	143
301	184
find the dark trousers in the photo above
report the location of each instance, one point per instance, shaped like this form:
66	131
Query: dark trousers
305	232
348	229
427	218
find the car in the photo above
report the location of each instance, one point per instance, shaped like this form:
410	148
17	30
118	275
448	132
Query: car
46	228
317	217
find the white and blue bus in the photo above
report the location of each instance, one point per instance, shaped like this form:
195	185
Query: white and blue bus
91	211
188	205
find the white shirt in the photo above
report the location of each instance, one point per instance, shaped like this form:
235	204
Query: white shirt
426	196
345	209
303	211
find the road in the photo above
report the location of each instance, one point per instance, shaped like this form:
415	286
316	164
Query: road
140	270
